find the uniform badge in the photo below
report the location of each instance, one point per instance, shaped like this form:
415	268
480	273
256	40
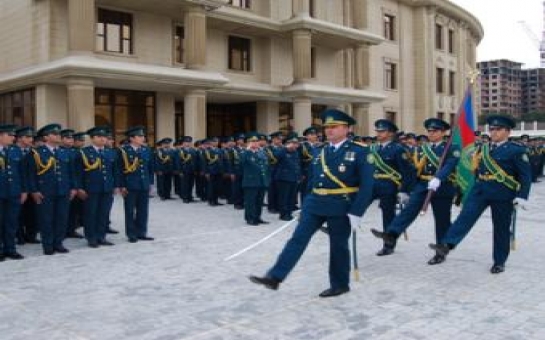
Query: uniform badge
342	168
370	159
525	158
405	156
456	153
350	156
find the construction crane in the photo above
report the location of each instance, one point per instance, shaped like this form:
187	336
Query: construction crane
540	44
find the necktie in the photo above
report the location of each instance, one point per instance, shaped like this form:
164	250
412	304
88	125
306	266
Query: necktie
493	147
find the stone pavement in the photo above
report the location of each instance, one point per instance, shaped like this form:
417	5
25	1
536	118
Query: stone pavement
179	287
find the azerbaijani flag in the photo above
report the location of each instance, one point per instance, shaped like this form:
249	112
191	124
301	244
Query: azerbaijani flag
464	136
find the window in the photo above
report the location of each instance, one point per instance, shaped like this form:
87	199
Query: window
390	76
239	54
18	107
438	37
451	83
240	3
389	27
390	115
313	62
179	44
451	37
121	109
179	125
439	80
114	32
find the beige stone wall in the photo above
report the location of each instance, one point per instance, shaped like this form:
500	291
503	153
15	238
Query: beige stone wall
28	44
51	105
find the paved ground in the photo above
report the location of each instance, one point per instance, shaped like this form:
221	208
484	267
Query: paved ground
179	287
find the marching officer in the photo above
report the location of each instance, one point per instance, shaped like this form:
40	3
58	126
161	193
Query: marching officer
52	186
97	178
288	175
13	182
136	164
429	177
255	179
212	165
394	174
164	168
503	181
28	230
340	184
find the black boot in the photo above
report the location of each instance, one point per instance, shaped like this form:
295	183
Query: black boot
266	281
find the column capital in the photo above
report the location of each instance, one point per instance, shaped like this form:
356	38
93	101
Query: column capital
81	82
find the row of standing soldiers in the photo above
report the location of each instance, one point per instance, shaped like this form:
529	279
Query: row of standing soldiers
51	186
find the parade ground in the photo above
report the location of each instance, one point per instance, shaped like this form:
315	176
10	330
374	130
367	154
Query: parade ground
180	287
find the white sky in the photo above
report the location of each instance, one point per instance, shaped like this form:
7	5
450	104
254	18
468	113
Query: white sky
504	36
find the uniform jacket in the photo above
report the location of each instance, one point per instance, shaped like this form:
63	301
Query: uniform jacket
136	167
97	173
398	158
51	174
289	165
255	169
513	159
13	172
352	165
425	169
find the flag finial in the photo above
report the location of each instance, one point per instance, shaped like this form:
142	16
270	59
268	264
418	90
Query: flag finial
473	76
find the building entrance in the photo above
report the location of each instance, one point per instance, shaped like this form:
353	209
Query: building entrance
230	119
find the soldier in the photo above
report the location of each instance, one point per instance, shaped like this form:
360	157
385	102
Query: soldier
340	184
164	168
503	181
430	177
28	230
238	197
307	150
110	144
136	164
212	165
394	174
288	175
97	177
255	179
272	191
74	215
227	144
187	159
79	139
52	186
200	180
14	191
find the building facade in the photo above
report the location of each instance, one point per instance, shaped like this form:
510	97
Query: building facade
217	67
533	90
500	87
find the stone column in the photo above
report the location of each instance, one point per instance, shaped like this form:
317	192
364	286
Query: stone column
81	26
195	38
301	55
361	67
51	102
195	113
268	116
360	112
81	104
165	115
349	63
302	114
300	8
360	8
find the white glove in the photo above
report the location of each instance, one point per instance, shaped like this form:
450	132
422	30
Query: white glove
355	221
434	184
403	198
520	202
